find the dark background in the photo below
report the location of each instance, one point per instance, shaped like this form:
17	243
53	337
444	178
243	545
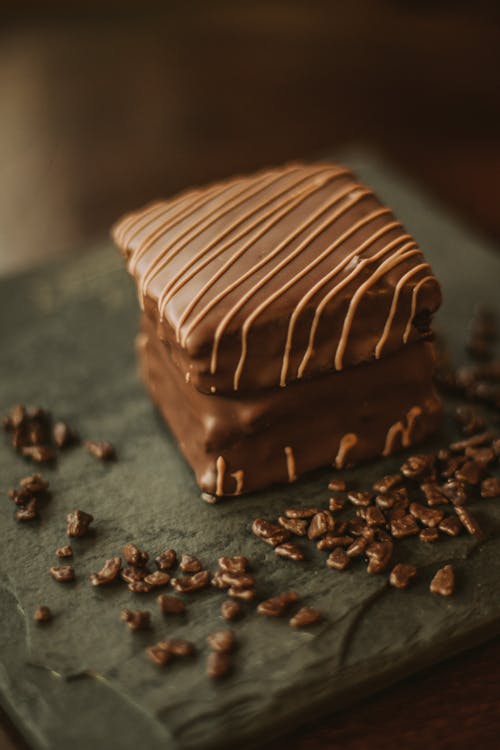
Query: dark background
105	105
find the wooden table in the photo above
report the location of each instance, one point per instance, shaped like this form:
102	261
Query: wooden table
105	109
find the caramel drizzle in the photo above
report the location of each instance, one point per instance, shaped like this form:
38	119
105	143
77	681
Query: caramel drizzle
173	248
348	441
290	464
336	270
291	195
238	477
398	428
416	288
272	297
395	299
221	471
317	185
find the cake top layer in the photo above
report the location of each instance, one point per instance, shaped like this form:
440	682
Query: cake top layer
291	272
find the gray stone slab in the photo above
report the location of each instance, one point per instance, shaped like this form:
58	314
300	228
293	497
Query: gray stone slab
66	336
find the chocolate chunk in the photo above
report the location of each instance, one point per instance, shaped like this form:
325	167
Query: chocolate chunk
65	551
456	491
246	594
130	574
218	665
134	556
443	582
77	523
297	526
336	503
429	535
450	526
357	548
469	472
157	578
269	532
337	485
231	610
42	614
170	605
62	435
338	559
379	556
136	619
139	587
490	487
190	564
62	573
321	523
159	655
101	449
468	521
374	516
222	641
306	616
401	575
392	499
179	647
419	466
360	499
403	527
34	484
301	512
27	512
236	564
433	494
39	453
277	605
238	580
108	572
166	560
188	584
330	541
289	550
388	483
430	517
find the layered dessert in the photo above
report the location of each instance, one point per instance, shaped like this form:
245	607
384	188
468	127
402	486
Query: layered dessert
285	324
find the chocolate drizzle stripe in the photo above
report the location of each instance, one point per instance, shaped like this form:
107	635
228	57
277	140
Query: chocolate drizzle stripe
388	323
174	247
339	267
291	200
416	288
142	218
221	471
398	428
250	272
348	441
238	477
398	257
290	464
359	194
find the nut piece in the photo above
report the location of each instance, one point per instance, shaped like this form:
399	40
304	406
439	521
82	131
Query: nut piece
360	499
222	641
450	526
101	449
401	575
321	523
301	512
277	605
429	535
136	619
306	616
297	526
156	579
443	582
430	517
337	485
190	564
237	564
63	435
218	664
379	556
65	551
77	523
388	483
134	556
419	466
62	573
42	614
171	605
490	487
231	610
405	526
291	551
108	572
468	521
187	584
269	532
166	559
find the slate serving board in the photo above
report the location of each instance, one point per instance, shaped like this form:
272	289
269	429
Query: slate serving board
66	337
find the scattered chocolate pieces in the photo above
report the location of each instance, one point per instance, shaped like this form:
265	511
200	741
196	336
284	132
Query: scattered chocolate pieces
188	584
134	556
136	619
62	573
101	449
218	664
170	605
443	582
401	575
65	551
77	523
306	616
166	560
190	564
222	641
277	605
108	572
231	610
42	614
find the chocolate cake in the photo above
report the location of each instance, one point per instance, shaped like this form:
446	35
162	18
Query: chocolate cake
285	324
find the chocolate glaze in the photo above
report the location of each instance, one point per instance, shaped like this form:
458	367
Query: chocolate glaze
288	274
246	442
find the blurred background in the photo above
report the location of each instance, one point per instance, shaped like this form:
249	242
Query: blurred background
105	105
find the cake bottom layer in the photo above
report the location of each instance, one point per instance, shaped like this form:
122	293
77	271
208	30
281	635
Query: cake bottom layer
249	441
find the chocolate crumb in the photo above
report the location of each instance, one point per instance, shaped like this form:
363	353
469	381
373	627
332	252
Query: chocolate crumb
170	605
134	556
277	605
490	487
77	523
468	521
42	614
337	485
289	550
136	619
306	616
156	579
429	535
321	523
222	641
401	575
231	610
166	559
218	665
338	559
108	572
297	526
443	582
65	551
188	584
101	449
190	564
62	573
